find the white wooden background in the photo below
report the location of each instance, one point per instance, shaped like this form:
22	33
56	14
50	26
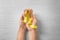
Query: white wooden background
46	11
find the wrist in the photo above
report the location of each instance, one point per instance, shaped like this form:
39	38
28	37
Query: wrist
30	30
23	28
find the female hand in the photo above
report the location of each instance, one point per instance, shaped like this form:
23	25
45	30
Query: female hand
34	22
21	23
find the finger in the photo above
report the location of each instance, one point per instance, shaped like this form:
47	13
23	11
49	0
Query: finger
21	17
34	21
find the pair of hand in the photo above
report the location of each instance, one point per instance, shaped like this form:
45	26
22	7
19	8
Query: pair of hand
25	25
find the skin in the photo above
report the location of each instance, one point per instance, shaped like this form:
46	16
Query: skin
23	27
22	30
32	32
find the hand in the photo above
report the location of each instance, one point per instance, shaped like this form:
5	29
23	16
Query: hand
21	23
34	22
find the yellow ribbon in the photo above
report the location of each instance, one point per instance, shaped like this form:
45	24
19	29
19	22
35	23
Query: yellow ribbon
28	20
